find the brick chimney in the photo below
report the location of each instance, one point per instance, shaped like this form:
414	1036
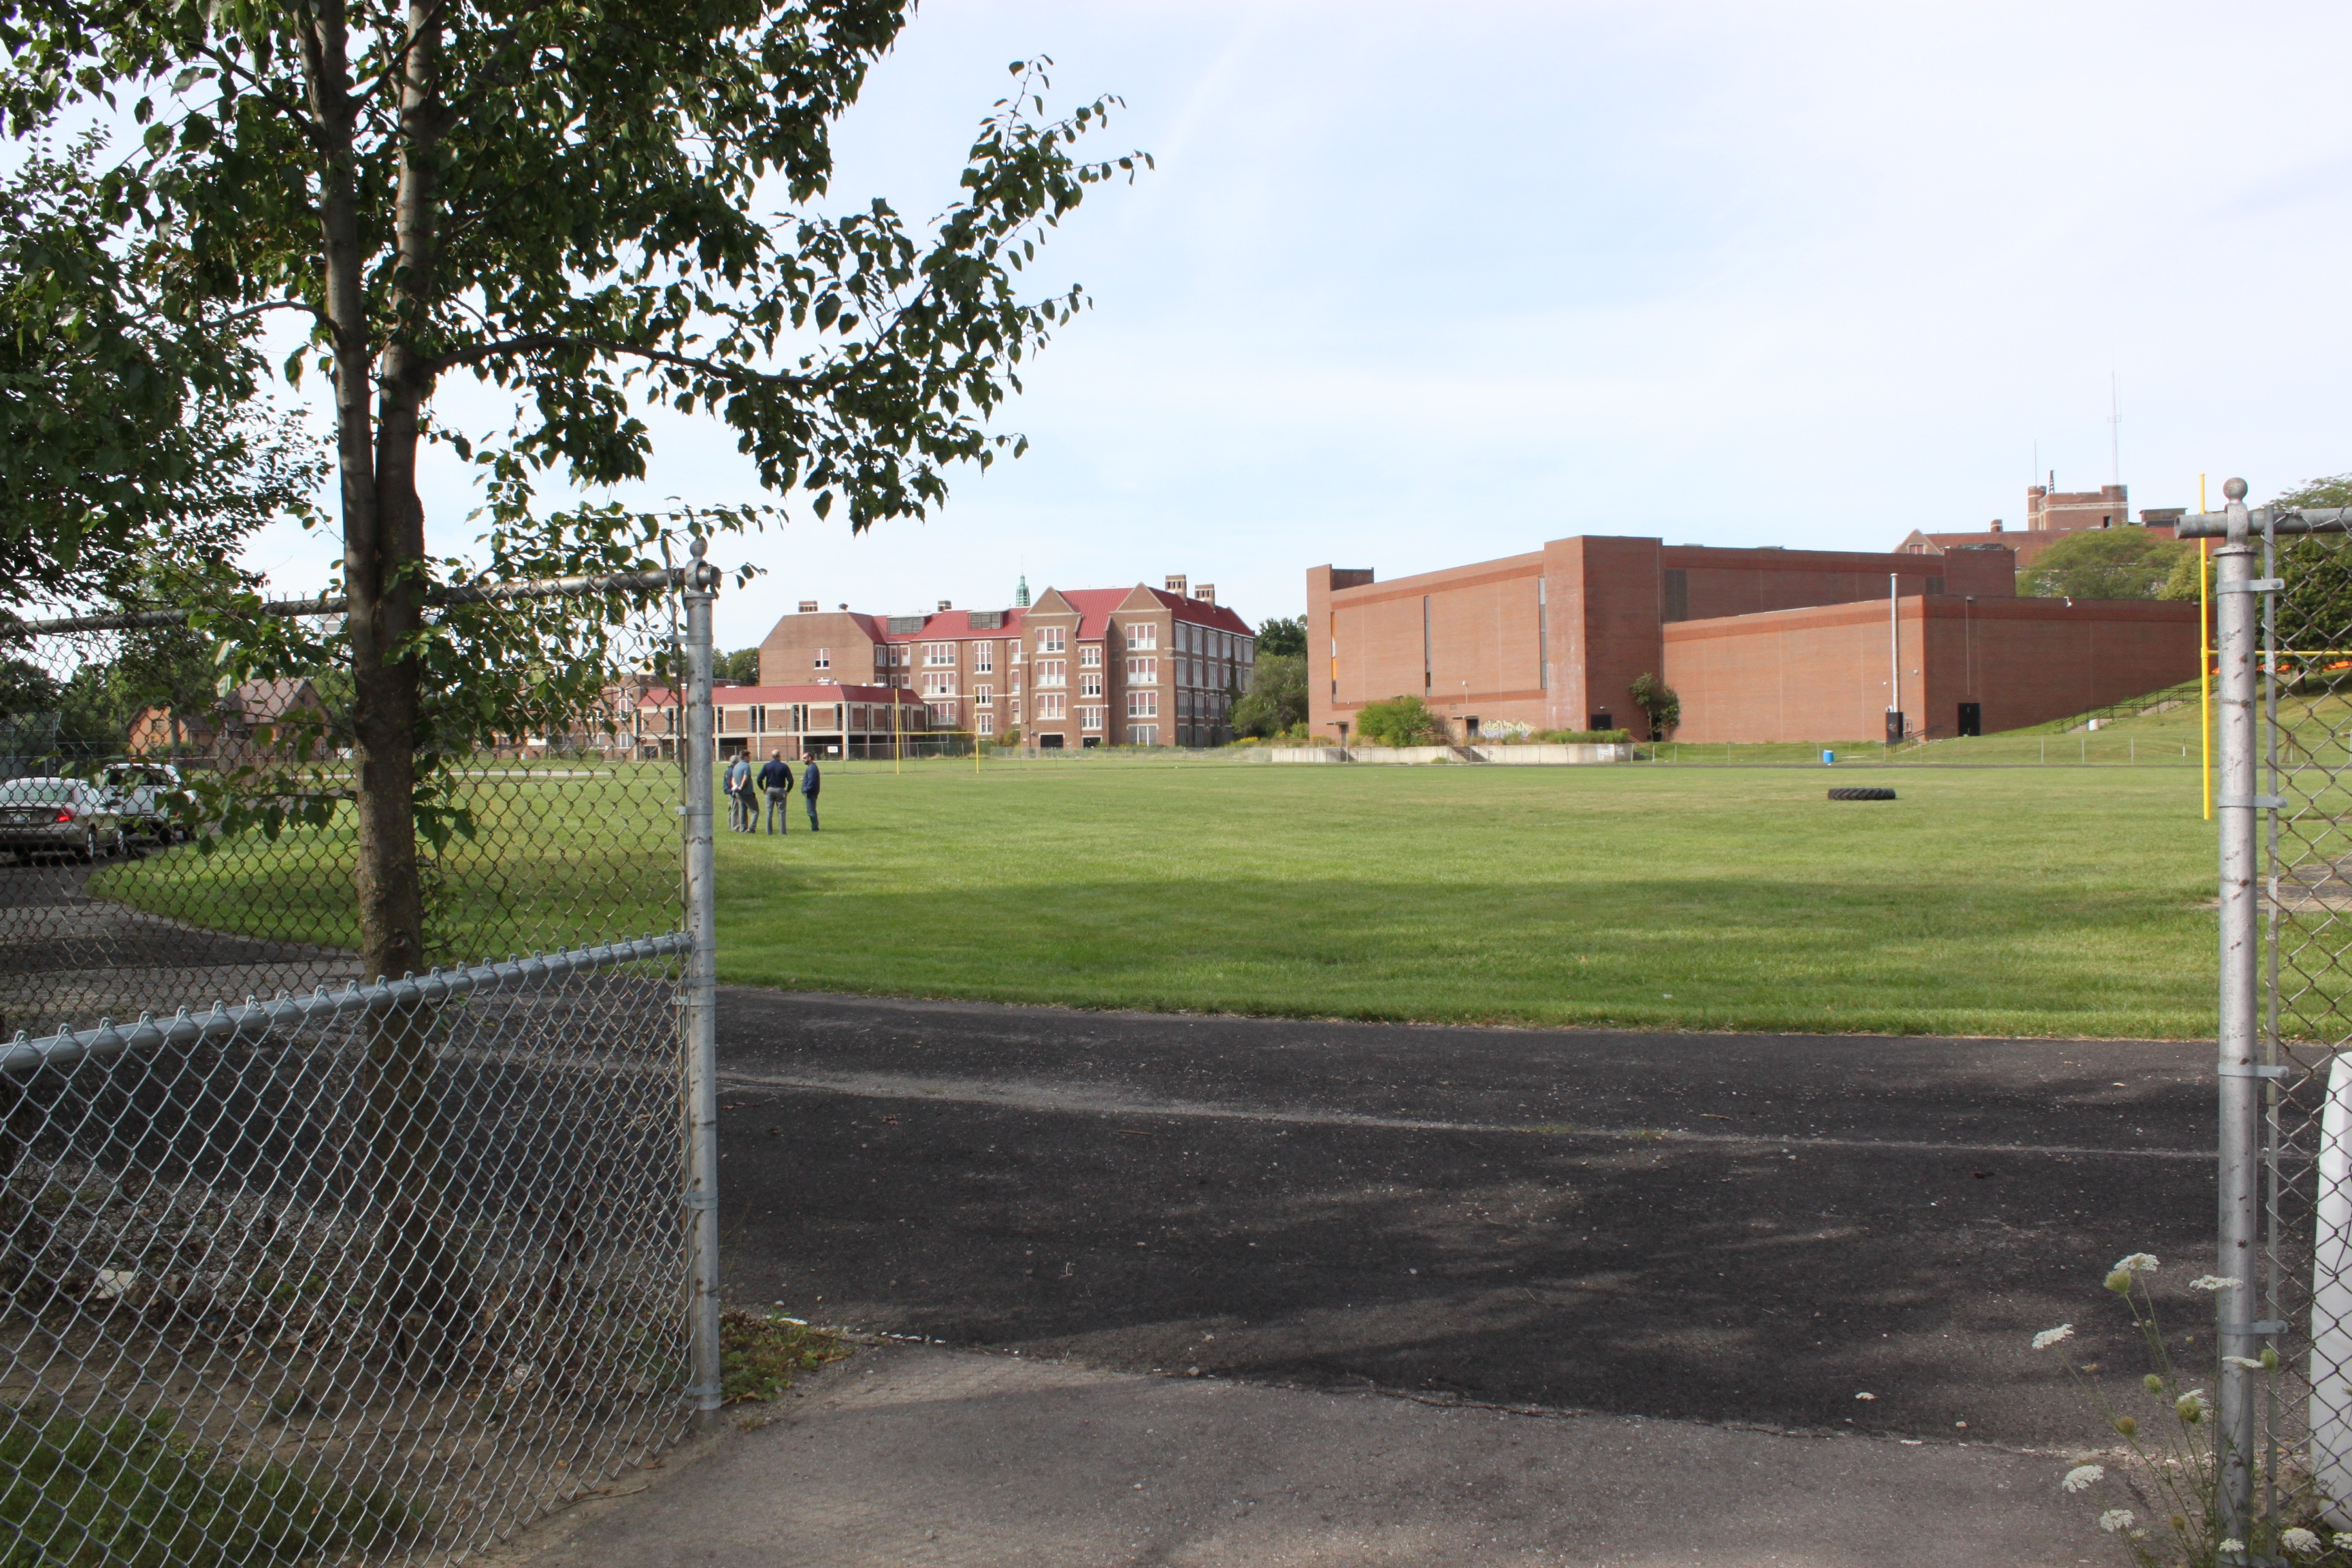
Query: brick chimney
1206	593
808	607
1176	584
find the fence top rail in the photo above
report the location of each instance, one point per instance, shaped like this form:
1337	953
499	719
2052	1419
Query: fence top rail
2268	520
28	1054
323	605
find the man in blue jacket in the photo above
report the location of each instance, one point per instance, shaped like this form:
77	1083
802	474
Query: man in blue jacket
808	788
776	781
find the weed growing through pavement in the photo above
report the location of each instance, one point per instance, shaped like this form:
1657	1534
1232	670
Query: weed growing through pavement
2167	1473
760	1353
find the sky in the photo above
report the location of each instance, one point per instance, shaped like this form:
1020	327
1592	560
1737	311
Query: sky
1417	286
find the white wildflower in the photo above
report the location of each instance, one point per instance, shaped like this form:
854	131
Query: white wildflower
2344	1538
1865	1396
2214	1282
2048	1337
2299	1541
2230	1543
2246	1362
2116	1519
2193	1406
2081	1477
2137	1263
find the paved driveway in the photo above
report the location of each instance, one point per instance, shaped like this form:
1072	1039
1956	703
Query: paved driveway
1744	1228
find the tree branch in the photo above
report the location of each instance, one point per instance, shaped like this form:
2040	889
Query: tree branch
540	343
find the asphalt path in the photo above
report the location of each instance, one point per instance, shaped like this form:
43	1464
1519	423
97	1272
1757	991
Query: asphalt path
1725	1227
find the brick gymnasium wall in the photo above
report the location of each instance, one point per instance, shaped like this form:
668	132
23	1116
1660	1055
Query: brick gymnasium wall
1481	640
1820	674
1749	582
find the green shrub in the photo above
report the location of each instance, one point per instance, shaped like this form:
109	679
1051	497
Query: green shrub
129	1493
1399	721
1583	737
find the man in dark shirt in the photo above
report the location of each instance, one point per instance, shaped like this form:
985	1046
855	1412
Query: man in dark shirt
777	780
808	789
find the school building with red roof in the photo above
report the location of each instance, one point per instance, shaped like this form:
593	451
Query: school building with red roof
1078	668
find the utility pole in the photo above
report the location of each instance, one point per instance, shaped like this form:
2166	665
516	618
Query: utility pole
1894	660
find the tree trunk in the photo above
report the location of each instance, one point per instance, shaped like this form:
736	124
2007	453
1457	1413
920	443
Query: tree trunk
425	1298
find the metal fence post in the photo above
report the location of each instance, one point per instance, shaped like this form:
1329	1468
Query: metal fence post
701	1013
2240	1070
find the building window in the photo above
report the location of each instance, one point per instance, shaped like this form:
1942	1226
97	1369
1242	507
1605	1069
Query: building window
943	715
1090	719
986	725
1143	635
1091	683
1143	671
1052	639
758	720
937	654
1143	705
1053	672
983	657
1143	735
938	683
983	695
1090	657
825	657
1016	709
1018	649
1050	706
1015	687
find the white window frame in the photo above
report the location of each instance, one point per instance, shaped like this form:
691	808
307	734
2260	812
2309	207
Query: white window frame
1143	634
1143	672
983	657
824	659
1053	672
1051	706
939	655
1090	719
982	696
1052	639
1090	656
985	723
1143	705
1091	683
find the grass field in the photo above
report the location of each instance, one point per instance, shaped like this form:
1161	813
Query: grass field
1995	897
2017	900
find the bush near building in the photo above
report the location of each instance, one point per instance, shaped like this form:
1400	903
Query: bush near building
1399	721
2106	564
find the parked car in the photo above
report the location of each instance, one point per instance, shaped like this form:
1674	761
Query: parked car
58	816
144	792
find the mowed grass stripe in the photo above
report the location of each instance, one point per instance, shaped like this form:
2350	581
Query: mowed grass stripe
2062	902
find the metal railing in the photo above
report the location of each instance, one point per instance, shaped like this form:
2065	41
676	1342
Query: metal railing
351	1270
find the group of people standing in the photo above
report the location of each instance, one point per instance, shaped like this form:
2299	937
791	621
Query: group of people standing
774	780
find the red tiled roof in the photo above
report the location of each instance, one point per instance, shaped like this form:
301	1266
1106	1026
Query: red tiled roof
1094	605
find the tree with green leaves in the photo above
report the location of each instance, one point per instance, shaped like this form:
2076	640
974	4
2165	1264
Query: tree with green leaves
1400	722
1277	699
129	434
1283	635
2103	563
742	665
557	200
1659	703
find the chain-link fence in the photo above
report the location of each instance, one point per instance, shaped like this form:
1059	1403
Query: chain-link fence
301	1265
2282	594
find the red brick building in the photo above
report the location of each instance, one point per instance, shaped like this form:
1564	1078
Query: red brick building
1760	645
1080	667
2050	516
808	720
